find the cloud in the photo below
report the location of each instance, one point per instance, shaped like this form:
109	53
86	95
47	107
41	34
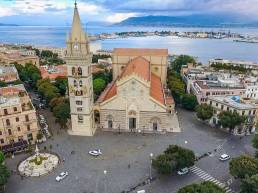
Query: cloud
117	10
117	17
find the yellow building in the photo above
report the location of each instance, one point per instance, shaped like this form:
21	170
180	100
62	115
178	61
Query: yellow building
18	119
10	58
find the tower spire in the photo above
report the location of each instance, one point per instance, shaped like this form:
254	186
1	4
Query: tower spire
77	33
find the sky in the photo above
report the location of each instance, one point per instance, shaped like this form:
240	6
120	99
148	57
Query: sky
59	12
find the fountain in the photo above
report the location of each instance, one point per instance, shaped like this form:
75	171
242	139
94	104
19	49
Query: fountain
38	164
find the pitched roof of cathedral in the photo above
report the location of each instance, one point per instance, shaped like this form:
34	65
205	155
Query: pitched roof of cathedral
140	67
139	52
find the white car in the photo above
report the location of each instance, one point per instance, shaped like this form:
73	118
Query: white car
183	171
61	176
95	152
224	157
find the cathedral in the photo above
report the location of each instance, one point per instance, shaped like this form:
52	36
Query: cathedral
137	99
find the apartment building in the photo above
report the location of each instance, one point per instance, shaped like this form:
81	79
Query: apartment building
234	104
18	121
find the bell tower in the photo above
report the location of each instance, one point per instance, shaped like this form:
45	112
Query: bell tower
78	59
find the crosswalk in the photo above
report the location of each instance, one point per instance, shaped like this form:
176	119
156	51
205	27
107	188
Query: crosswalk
207	177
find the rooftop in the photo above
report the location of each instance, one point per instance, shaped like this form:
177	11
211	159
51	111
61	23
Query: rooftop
4	70
233	101
53	72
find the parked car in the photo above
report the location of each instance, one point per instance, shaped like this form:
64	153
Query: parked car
61	176
183	171
224	157
95	152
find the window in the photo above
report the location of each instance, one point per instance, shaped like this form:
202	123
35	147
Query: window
80	119
75	83
28	127
14	109
5	112
78	102
250	112
73	70
80	83
27	117
1	133
243	113
7	122
2	141
17	119
18	128
79	93
210	102
79	71
216	104
254	112
227	108
9	131
79	109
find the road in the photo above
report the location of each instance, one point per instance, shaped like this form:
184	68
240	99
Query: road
126	159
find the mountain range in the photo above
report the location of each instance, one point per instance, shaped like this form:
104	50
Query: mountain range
188	21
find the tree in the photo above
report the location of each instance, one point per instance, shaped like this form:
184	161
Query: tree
47	89
250	184
3	84
173	158
243	166
204	187
98	86
181	61
61	83
57	101
4	176
255	143
176	85
230	120
189	101
2	158
204	111
62	114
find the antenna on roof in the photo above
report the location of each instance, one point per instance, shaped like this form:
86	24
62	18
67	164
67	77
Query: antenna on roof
75	4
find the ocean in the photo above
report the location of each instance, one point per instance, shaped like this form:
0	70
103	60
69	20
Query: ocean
203	49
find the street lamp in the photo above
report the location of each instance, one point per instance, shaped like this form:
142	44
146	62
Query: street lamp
151	156
105	181
186	142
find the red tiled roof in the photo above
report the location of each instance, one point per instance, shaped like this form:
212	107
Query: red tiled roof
156	90
139	52
61	72
139	66
109	92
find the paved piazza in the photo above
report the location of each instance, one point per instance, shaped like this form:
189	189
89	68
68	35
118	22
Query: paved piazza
126	159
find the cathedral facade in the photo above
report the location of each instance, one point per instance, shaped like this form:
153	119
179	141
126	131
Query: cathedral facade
136	100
